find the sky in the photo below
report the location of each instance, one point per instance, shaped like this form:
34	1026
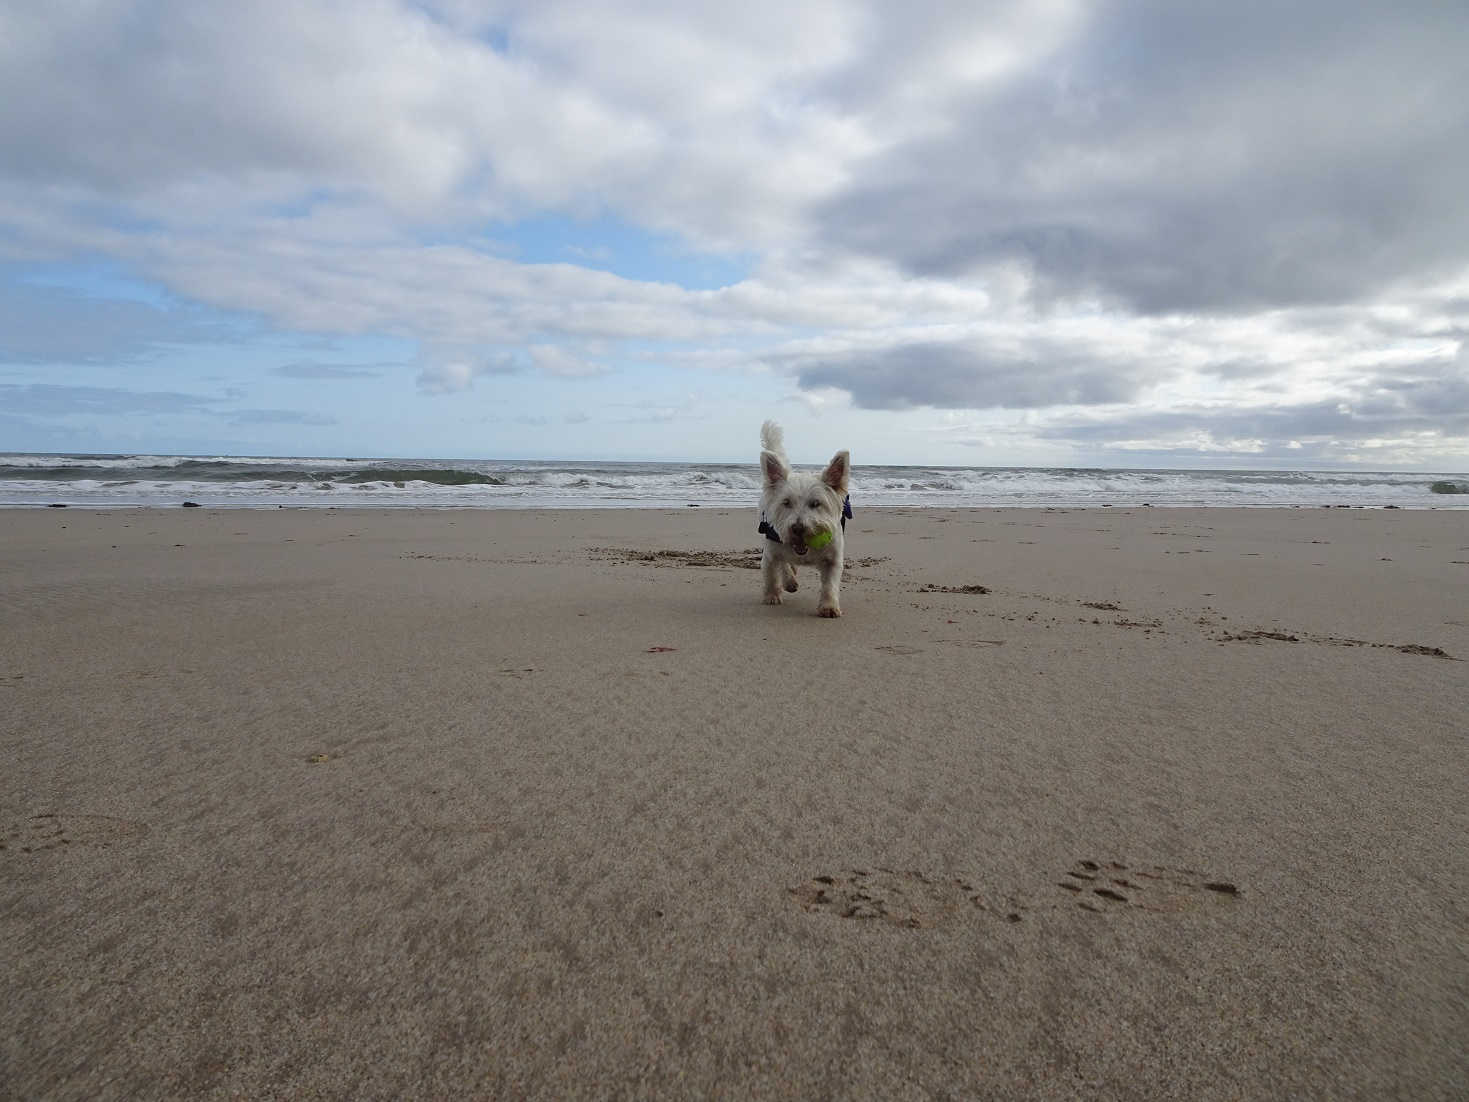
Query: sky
1042	232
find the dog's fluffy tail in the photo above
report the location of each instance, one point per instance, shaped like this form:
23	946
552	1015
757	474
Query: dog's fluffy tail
773	439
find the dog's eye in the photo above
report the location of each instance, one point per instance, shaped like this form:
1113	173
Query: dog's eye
815	504
788	502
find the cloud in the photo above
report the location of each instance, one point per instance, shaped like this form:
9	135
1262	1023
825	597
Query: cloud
455	374
331	371
449	378
1188	157
404	105
42	325
1419	399
51	400
971	375
1401	415
1171	156
380	98
558	361
279	417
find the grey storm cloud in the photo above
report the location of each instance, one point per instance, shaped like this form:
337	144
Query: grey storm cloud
971	376
1442	398
1197	158
1429	398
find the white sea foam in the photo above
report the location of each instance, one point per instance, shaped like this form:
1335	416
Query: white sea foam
289	480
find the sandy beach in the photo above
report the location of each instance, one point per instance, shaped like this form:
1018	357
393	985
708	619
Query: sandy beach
1110	803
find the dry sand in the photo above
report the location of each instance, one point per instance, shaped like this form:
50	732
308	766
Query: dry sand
506	804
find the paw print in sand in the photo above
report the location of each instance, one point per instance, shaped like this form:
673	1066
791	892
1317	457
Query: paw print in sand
907	899
39	833
1111	885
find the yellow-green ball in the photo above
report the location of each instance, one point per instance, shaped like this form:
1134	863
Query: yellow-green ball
818	541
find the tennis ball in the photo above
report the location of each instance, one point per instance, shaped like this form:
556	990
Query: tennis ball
820	540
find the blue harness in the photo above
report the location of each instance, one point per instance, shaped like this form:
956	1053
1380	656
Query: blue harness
769	533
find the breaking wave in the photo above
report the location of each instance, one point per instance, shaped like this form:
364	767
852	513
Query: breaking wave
35	479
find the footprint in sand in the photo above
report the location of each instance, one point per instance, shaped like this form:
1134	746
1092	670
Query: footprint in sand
1102	886
1333	641
907	899
40	833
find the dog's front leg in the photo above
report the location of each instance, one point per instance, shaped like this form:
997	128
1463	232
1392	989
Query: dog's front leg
829	604
770	573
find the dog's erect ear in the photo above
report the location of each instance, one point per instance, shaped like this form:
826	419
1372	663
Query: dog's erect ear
837	471
775	470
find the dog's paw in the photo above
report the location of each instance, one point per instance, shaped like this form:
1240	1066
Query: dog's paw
772	598
830	612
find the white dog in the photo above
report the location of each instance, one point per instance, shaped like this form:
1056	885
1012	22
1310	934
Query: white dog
802	517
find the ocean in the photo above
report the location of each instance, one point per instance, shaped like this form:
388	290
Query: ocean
247	481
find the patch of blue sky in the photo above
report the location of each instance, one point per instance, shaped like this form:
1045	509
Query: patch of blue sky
302	205
89	277
98	314
496	38
493	35
340	358
612	245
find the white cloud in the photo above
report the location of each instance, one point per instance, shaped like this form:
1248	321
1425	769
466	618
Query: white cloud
449	378
558	361
446	371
